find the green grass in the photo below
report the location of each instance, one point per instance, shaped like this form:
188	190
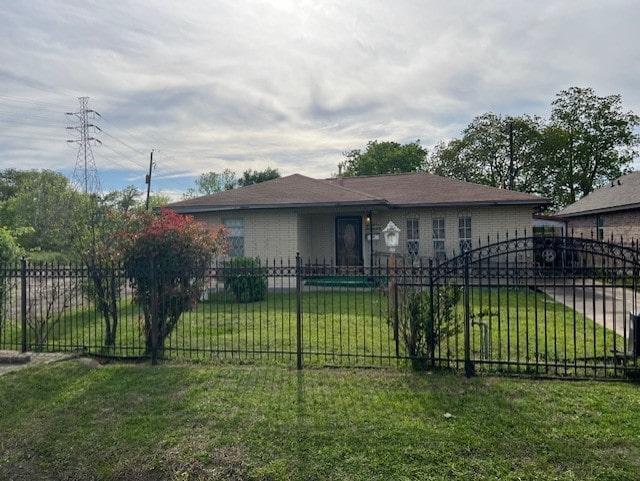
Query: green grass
351	327
527	325
184	422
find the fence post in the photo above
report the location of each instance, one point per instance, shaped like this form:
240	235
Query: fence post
432	327
153	314
393	295
298	310
23	301
468	366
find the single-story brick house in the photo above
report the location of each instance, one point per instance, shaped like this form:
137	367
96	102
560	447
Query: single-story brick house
610	212
339	220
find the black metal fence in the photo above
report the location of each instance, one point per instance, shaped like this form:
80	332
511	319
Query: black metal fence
540	306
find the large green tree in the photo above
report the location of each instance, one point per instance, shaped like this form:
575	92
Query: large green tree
595	139
494	150
212	183
39	201
385	158
11	180
256	176
587	141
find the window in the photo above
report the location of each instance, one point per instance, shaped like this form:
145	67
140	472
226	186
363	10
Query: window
235	228
600	228
413	238
438	239
464	233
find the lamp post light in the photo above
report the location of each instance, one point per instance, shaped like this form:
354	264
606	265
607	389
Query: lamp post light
391	239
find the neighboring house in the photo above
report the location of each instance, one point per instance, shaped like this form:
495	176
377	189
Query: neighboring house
339	221
610	212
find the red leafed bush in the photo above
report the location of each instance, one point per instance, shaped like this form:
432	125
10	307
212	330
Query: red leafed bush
166	256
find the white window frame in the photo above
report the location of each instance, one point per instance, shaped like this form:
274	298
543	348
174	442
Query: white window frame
600	228
439	238
465	239
413	237
235	229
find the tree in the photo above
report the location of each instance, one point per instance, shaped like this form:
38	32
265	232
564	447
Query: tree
10	250
255	177
494	150
124	199
94	229
600	141
588	140
41	202
165	258
212	183
10	182
385	158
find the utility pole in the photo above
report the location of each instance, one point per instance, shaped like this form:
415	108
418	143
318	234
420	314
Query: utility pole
511	159
85	173
147	179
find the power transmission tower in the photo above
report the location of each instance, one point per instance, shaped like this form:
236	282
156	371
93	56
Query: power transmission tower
85	173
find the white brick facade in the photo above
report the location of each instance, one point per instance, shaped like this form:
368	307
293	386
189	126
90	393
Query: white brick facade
279	234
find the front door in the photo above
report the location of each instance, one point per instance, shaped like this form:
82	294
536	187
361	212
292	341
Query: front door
349	241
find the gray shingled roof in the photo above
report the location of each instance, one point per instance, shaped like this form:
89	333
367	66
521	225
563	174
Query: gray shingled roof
621	194
398	190
422	189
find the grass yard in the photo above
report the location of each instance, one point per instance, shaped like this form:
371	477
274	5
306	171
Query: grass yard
78	420
527	325
343	327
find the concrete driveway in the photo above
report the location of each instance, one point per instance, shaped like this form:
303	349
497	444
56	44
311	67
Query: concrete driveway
608	306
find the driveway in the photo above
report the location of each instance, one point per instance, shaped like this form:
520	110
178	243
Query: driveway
608	306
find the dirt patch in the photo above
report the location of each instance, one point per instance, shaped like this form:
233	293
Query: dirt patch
13	360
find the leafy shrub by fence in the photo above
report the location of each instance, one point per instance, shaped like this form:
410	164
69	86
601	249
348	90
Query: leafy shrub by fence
245	279
426	319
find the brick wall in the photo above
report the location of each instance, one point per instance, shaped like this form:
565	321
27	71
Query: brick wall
623	225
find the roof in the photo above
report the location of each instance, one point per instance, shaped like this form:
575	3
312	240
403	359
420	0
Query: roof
415	189
621	194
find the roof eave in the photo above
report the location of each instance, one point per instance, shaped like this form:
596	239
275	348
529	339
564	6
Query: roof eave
603	210
315	205
476	203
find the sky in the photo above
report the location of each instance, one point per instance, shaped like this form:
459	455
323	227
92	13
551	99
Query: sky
292	85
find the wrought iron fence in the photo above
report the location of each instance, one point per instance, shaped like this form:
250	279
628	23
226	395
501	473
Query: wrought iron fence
509	307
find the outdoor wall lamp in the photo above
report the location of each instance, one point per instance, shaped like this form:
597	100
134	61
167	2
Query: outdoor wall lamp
391	236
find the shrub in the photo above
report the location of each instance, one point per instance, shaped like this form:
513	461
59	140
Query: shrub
244	278
423	323
165	257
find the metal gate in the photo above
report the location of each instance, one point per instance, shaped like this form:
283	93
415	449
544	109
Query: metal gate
546	306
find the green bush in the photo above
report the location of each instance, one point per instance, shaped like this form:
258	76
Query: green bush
244	278
165	257
424	323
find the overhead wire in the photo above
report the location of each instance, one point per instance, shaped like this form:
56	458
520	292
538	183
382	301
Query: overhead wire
13	113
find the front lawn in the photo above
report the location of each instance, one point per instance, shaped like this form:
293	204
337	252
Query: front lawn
77	420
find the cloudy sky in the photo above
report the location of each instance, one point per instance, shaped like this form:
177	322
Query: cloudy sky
249	84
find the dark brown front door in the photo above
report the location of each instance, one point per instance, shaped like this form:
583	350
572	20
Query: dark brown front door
349	241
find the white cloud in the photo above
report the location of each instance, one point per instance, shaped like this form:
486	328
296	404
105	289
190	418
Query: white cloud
290	84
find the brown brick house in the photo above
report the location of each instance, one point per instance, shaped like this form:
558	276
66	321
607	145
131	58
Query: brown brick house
340	220
610	212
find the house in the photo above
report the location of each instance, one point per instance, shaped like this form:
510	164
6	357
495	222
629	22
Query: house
610	212
339	220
